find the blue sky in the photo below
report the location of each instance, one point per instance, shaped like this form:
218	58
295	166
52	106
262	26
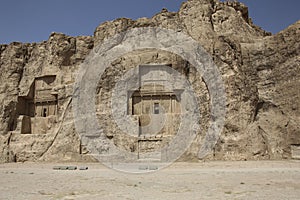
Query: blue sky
34	20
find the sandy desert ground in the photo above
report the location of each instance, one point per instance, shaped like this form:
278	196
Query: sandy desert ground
203	180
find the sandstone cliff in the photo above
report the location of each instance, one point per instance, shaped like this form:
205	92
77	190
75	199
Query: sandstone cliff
261	73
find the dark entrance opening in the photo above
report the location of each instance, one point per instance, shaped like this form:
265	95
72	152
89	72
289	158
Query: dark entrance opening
156	108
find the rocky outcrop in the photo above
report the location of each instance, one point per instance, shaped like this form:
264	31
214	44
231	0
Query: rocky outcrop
260	72
276	63
21	64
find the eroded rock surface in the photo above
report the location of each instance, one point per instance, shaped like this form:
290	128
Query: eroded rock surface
260	71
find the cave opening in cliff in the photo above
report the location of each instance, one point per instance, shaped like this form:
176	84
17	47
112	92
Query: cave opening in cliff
39	102
156	105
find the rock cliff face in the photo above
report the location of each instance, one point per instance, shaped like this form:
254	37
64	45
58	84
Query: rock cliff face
261	73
